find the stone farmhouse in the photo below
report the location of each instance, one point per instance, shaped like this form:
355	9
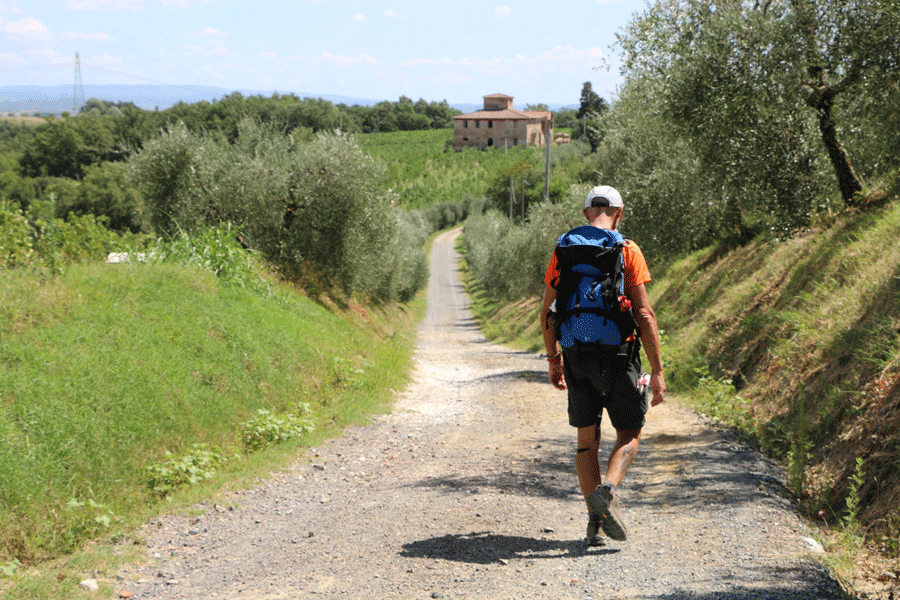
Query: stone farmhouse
501	125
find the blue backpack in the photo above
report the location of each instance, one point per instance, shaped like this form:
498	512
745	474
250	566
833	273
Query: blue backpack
591	307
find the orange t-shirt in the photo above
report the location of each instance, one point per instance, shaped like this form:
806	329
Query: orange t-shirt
636	271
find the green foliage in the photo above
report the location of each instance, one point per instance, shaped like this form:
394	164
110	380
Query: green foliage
106	192
854	501
64	147
518	186
167	172
269	428
10	567
197	465
444	215
800	454
591	103
509	261
15	236
215	250
320	203
86	519
718	398
711	138
423	170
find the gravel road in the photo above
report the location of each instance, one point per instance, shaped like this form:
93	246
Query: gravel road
468	490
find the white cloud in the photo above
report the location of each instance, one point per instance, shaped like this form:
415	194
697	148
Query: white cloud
29	29
270	55
391	13
502	11
358	17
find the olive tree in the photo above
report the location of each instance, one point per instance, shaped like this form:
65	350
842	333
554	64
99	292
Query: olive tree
735	78
321	203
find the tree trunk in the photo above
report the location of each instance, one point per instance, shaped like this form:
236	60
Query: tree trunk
847	179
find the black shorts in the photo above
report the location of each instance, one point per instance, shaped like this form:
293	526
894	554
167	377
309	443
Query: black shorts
599	377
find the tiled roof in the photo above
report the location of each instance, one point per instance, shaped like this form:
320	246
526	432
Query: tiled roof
505	114
497	96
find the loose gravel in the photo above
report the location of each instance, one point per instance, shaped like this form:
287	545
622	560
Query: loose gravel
468	490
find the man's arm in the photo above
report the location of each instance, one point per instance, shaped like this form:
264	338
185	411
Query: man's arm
646	320
549	333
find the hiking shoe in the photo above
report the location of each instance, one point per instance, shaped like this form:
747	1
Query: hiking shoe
606	507
593	531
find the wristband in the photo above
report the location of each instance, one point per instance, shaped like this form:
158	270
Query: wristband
554	357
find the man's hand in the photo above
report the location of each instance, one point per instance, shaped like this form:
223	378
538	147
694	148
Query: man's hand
556	374
658	385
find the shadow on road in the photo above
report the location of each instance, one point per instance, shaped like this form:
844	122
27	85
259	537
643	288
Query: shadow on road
547	472
700	472
485	548
530	376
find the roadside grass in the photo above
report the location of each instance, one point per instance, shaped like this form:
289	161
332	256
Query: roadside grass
514	324
107	368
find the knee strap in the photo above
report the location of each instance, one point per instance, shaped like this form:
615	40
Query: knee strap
580	450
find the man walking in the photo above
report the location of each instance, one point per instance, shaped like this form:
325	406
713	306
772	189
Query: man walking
596	307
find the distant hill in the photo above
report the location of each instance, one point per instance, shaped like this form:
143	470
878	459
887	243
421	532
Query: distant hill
56	99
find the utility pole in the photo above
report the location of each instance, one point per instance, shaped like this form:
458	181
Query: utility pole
524	183
78	94
547	163
512	197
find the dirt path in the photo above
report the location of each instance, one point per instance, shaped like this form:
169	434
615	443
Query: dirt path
468	491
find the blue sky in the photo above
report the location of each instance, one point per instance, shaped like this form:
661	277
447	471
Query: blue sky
457	51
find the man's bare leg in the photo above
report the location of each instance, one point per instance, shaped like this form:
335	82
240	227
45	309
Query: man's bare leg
622	455
587	463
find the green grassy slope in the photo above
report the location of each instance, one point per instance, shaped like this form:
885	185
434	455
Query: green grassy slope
108	368
809	331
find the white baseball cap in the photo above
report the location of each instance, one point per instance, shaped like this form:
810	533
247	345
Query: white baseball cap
603	195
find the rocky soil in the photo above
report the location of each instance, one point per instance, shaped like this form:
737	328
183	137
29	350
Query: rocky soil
468	490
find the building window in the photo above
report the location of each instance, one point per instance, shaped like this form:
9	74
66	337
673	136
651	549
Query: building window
490	124
490	141
515	141
466	124
477	124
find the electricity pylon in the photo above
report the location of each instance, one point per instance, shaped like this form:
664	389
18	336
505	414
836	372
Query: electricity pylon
78	94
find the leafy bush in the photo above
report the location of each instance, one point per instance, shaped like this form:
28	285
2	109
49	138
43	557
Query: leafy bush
15	236
214	249
268	428
177	472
